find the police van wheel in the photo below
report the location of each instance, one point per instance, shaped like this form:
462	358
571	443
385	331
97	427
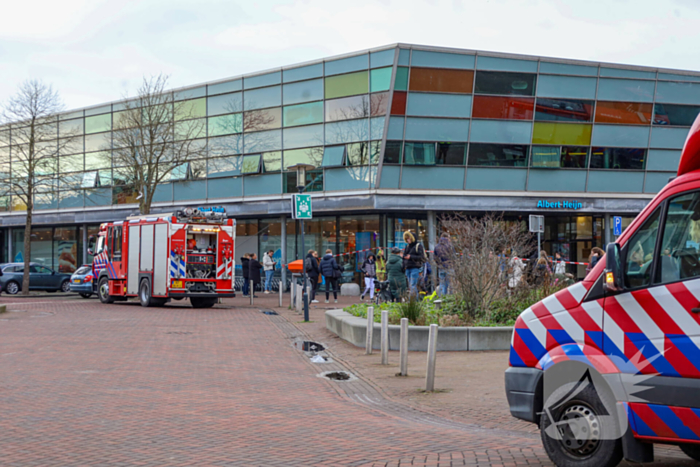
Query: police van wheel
198	302
145	293
103	291
691	450
584	432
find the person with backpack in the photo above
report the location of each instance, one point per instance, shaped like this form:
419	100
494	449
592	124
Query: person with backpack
331	272
396	274
313	272
245	269
414	257
369	269
443	258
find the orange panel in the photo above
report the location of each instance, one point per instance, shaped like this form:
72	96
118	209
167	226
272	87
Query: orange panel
512	108
398	104
441	80
631	113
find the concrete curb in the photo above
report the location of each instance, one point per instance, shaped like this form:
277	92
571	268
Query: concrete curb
354	330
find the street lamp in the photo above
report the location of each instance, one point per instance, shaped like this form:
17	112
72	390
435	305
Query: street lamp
301	169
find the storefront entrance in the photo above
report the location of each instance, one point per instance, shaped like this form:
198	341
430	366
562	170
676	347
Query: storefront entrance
573	237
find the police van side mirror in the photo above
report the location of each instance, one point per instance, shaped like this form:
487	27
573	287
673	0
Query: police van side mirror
613	268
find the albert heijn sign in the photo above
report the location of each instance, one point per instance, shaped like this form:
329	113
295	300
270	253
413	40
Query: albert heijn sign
562	204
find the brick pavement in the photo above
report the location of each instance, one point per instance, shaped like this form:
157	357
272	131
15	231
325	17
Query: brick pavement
83	383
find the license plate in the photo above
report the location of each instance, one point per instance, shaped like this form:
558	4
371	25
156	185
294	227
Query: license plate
177	284
76	281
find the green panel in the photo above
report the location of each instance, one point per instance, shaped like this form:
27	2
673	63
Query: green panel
303	114
347	85
98	123
562	133
225	125
401	81
380	79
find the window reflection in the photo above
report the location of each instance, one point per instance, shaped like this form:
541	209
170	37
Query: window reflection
570	157
618	158
392	152
312	156
267	119
333	156
497	82
314	181
450	153
676	115
512	108
349	108
498	155
441	80
631	113
419	153
224	166
567	110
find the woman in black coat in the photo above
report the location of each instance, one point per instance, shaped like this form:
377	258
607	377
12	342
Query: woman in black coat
245	269
313	271
254	271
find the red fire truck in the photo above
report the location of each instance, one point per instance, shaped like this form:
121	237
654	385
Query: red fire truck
158	257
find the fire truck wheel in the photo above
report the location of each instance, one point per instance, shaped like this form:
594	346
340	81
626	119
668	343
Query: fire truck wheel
691	450
103	291
198	302
145	293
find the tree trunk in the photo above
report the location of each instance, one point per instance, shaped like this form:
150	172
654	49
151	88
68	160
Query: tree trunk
27	248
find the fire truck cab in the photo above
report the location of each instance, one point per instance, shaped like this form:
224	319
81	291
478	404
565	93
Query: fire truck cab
158	257
610	366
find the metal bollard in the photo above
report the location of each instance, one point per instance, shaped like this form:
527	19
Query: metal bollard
370	330
280	290
432	354
252	291
385	337
403	348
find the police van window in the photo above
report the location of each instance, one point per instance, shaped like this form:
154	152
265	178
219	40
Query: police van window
679	256
640	253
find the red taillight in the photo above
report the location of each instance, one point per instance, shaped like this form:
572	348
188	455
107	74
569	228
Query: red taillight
88	278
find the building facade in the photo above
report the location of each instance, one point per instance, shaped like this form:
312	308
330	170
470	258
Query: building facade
399	135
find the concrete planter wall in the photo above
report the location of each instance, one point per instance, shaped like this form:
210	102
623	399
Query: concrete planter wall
354	330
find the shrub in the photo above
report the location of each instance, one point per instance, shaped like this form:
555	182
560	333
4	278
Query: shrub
412	309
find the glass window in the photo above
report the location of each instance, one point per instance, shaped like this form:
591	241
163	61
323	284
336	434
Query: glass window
314	182
625	90
437	129
677	115
343	65
303	114
190	129
98	123
98	142
437	105
359	154
181	172
195	108
347	132
424	58
378	103
312	156
303	91
398	103
633	113
567	69
677	93
225	104
347	108
258	120
622	73
640	253
270	140
90	180
380	79
347	85
333	156
272	161
225	124
401	80
392	152
251	164
498	155
228	86
224	166
450	153
70	127
419	153
496	82
512	108
679	257
567	87
304	72
262	80
225	145
562	133
303	136
98	160
263	97
570	157
382	58
506	64
441	80
563	110
71	163
618	158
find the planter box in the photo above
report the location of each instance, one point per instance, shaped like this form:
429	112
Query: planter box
354	330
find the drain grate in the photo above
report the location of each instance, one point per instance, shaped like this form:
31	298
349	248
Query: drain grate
338	376
310	346
269	312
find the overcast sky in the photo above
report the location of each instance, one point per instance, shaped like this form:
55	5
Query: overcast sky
95	51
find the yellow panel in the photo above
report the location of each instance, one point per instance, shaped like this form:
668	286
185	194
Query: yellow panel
562	133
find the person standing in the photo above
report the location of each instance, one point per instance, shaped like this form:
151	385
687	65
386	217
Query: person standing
369	269
331	272
596	254
414	257
396	274
559	265
381	266
245	269
254	272
443	258
517	266
313	272
269	267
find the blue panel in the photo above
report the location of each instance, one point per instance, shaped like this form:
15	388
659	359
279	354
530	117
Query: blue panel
442	60
404	57
195	189
677	93
347	132
262	98
496	179
660	159
675	76
390	176
262	141
655	181
346	65
439	105
436	129
556	180
615	181
304	91
164	193
395	128
383	58
225	187
620	73
262	80
505	64
625	90
188	94
432	178
256	185
347	178
668	138
70	199
304	72
303	137
98	197
228	86
620	135
501	131
376	127
566	86
567	69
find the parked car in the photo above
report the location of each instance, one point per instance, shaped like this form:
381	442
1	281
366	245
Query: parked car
40	278
83	281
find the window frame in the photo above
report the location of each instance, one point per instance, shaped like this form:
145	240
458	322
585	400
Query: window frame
624	251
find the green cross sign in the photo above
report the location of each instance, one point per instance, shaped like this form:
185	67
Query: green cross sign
301	207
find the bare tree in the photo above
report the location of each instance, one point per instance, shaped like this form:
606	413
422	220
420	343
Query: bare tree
155	139
30	121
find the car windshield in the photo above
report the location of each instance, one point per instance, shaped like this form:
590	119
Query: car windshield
83	270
